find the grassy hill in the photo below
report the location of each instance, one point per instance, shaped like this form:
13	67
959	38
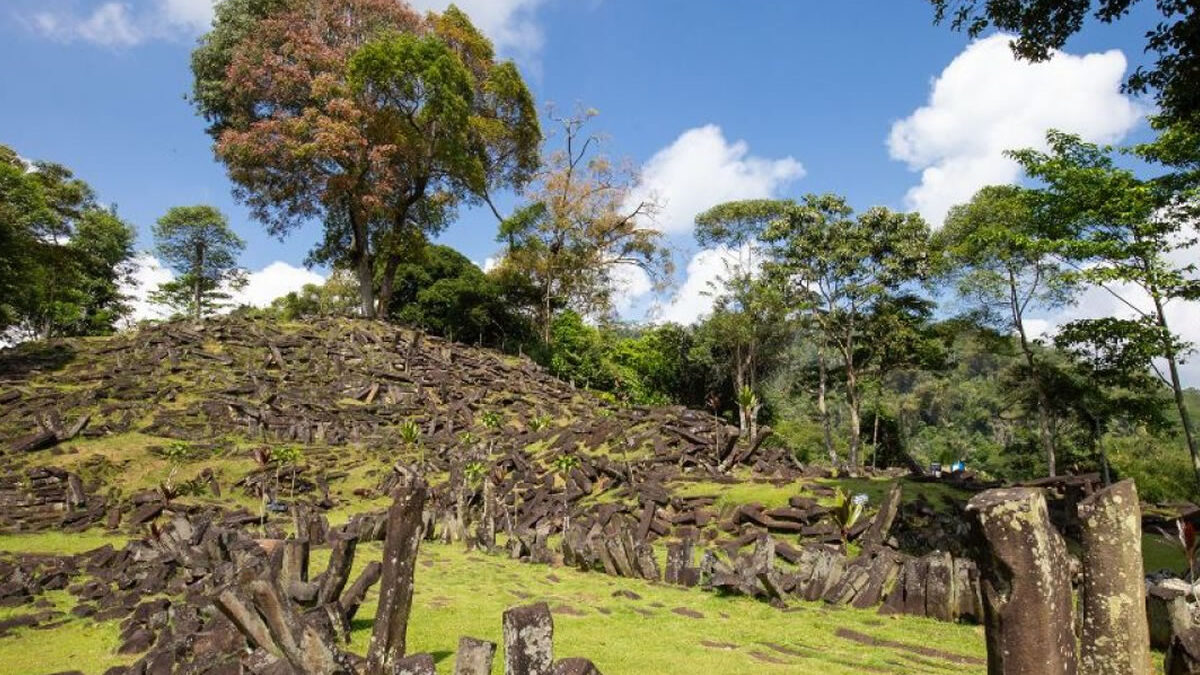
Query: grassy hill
215	416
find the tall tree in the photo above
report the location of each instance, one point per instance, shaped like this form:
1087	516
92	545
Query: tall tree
580	227
850	264
1109	378
748	308
1000	254
197	242
1043	27
380	122
1129	236
63	258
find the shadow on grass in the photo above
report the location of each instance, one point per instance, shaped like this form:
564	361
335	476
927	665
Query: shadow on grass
18	362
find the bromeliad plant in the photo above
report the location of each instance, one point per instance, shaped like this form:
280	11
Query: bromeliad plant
540	422
847	511
474	472
287	455
749	405
563	465
491	419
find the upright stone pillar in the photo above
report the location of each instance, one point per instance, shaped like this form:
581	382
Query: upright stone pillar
474	656
528	640
1115	638
404	531
1028	611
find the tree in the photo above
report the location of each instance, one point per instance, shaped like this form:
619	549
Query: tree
338	296
749	309
442	291
1001	256
579	228
1109	377
197	243
380	122
847	265
63	258
1043	27
1129	237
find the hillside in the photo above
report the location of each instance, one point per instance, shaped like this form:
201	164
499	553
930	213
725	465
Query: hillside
286	430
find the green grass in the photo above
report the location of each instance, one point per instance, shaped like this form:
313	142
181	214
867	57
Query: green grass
460	593
733	494
77	644
58	542
1158	554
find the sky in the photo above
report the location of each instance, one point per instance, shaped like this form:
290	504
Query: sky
712	100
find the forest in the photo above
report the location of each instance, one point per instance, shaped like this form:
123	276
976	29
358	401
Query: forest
848	336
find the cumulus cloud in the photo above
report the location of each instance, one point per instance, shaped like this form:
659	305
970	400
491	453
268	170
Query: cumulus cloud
629	283
511	24
125	24
986	102
693	300
697	171
1098	303
112	24
702	169
148	273
273	281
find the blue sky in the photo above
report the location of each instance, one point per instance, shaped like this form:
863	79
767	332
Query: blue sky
714	100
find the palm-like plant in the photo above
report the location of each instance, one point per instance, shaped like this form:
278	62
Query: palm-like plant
491	419
749	405
287	455
846	513
410	435
474	472
540	422
563	465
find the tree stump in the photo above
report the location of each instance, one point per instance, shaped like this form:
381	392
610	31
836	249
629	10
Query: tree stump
1115	636
404	531
1028	611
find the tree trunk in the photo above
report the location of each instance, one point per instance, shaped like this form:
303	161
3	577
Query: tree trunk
360	255
197	282
1044	433
386	286
1185	419
823	407
854	404
875	438
739	381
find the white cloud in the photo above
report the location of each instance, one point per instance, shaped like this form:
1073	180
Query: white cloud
694	299
701	169
510	24
147	275
126	24
629	282
273	281
111	25
194	15
986	102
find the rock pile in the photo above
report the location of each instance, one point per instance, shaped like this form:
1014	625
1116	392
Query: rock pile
46	498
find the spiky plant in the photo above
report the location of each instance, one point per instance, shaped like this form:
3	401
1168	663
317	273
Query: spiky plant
846	513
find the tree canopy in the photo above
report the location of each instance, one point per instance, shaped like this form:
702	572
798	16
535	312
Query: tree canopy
380	123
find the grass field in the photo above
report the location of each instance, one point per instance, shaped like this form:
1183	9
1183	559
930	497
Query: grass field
666	630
